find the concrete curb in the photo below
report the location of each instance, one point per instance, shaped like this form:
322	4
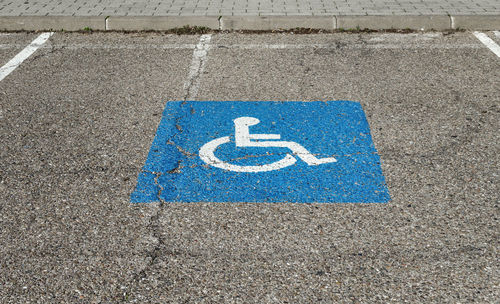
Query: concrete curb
48	23
264	23
479	23
160	23
394	22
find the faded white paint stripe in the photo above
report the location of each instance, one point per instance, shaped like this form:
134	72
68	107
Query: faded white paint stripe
254	46
106	46
192	83
497	33
25	53
125	46
349	46
488	42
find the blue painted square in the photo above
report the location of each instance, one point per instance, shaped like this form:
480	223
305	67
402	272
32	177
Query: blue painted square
335	131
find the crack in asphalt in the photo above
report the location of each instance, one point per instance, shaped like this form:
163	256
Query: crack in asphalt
180	149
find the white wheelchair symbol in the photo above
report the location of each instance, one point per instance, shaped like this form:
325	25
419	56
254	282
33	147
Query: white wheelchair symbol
243	138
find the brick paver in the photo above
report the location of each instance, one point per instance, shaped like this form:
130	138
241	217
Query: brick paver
246	7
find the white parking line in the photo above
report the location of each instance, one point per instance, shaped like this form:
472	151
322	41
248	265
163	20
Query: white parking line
197	66
488	42
261	46
497	33
348	46
25	53
144	46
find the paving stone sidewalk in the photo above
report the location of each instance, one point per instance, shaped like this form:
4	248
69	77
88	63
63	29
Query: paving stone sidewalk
246	7
249	14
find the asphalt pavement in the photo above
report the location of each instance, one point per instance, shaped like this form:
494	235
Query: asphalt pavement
78	118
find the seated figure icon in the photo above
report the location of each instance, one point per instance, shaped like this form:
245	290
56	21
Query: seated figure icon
243	138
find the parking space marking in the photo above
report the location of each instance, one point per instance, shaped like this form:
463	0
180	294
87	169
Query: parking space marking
265	46
488	42
349	46
24	54
262	151
11	46
373	44
192	83
146	46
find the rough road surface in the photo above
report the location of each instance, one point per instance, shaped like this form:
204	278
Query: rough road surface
77	119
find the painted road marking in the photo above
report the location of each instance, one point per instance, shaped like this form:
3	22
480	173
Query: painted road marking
243	138
23	55
396	45
403	46
497	33
488	42
338	160
192	83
